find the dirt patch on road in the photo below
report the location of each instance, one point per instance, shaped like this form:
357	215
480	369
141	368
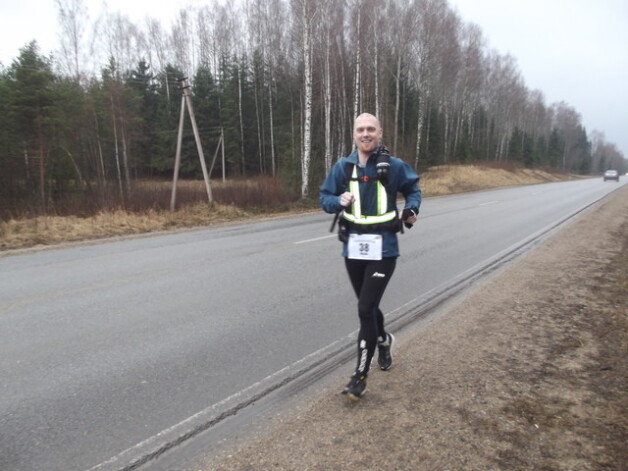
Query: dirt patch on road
528	372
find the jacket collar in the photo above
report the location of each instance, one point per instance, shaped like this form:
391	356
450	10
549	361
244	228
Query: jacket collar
354	159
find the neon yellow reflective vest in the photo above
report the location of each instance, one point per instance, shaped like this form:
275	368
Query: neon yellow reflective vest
355	216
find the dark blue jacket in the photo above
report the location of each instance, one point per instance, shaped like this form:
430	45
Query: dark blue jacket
401	179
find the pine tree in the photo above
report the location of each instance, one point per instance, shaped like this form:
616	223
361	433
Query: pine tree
31	104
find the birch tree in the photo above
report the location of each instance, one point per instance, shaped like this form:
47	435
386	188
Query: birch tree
424	67
182	38
255	16
119	39
73	19
568	122
328	25
306	11
229	32
274	17
357	61
399	40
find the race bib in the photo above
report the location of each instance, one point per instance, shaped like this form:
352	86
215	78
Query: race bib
365	246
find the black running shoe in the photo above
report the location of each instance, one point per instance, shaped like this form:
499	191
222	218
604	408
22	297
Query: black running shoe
356	387
384	358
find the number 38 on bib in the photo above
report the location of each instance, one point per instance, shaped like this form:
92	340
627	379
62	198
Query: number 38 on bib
365	246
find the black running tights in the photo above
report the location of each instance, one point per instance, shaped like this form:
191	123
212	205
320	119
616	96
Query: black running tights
369	279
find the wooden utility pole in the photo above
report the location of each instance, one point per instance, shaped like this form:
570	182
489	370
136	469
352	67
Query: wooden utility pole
221	145
177	158
186	100
222	140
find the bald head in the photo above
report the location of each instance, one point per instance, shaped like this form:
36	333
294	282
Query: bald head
367	117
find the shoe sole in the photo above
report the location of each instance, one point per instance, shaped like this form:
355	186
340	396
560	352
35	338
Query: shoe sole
353	397
392	342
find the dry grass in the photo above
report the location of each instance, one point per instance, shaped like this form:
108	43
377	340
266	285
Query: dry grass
450	179
256	196
46	230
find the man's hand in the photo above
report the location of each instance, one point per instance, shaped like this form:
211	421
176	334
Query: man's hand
346	199
409	217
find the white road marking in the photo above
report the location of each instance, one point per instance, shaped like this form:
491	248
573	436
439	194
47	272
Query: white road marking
314	240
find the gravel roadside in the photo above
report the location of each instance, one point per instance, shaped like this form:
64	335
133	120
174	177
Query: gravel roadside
526	372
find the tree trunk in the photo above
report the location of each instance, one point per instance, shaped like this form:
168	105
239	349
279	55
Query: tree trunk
79	174
117	152
307	125
428	130
258	114
125	159
100	167
447	132
343	108
271	120
397	101
378	111
358	65
42	175
327	106
241	116
457	133
419	133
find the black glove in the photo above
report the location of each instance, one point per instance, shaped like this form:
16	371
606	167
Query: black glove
408	213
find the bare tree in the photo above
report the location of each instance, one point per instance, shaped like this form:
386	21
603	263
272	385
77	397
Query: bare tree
357	77
182	42
327	34
206	23
398	42
449	59
255	16
426	20
307	20
274	17
73	19
158	48
229	31
605	155
117	37
157	39
568	121
472	76
306	12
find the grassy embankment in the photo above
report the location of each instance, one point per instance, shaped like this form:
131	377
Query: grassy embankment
49	230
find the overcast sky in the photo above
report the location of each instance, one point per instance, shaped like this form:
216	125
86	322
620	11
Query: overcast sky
572	50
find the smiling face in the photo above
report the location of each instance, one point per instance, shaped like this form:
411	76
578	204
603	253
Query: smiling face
367	134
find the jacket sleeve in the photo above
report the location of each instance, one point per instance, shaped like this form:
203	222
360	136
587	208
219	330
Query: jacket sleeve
408	186
331	189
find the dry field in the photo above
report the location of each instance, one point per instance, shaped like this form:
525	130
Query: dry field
50	230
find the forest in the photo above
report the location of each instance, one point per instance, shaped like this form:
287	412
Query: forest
274	86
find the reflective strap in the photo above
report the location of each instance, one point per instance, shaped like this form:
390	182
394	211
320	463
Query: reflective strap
366	220
356	207
354	189
382	198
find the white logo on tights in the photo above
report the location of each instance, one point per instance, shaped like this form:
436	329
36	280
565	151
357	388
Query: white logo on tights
363	356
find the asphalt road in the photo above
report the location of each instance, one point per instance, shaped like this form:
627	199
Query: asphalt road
108	350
